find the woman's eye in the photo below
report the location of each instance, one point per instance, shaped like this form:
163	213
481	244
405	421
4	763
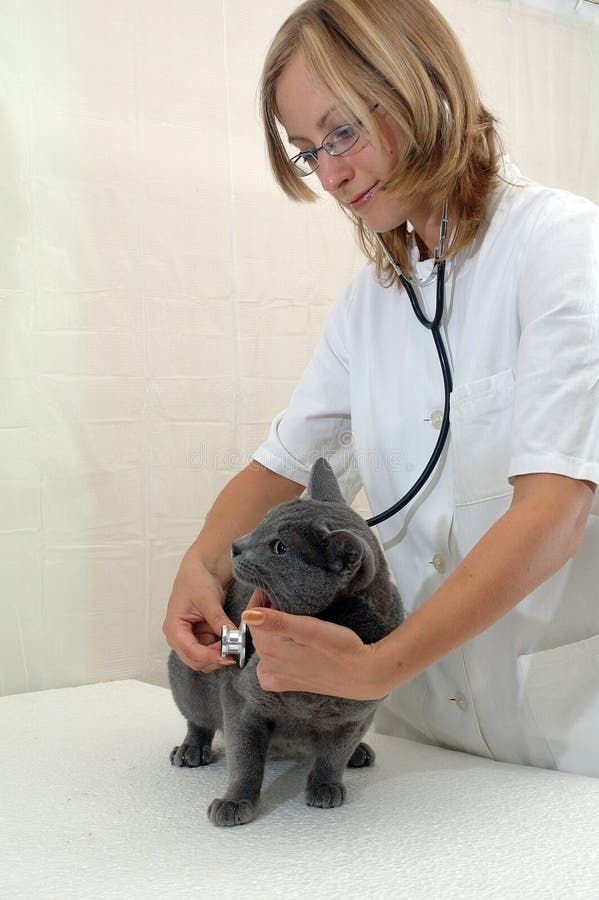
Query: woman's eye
278	548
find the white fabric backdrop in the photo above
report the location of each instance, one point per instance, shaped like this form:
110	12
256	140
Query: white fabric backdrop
159	297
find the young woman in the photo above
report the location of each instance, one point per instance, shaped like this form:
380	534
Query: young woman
496	557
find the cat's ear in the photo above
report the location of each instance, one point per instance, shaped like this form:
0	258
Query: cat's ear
349	554
323	484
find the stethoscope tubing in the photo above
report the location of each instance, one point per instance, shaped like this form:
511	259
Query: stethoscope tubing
434	326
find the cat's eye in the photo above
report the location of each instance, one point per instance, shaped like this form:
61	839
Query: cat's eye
278	548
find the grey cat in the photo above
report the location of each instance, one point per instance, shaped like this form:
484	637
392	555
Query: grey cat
312	556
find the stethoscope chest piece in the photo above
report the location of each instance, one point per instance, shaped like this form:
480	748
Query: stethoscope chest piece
233	643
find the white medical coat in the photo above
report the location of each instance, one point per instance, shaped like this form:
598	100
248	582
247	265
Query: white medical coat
522	330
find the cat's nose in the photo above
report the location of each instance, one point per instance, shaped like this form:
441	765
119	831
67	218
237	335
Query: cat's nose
240	545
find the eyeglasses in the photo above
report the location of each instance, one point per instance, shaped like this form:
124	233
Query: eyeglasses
335	143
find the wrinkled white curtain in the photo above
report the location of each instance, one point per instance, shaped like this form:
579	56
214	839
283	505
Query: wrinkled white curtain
159	297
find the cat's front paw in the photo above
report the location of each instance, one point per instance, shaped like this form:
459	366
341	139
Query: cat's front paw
325	795
231	812
191	755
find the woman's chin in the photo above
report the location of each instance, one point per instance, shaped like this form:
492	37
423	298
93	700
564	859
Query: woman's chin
381	222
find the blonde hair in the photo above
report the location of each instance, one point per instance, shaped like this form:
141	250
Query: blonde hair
403	55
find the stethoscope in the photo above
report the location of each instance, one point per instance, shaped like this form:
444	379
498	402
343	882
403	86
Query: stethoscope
411	285
233	642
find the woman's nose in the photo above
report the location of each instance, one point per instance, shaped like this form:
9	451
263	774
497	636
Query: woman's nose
333	171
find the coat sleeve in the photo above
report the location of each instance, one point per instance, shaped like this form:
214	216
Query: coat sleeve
556	406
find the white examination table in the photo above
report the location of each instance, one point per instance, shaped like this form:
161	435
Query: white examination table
92	809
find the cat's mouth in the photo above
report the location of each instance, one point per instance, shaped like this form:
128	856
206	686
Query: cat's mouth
261	598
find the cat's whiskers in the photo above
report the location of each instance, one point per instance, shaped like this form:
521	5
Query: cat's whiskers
262	595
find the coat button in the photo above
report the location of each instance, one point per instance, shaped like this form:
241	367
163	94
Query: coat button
439	563
437	419
461	702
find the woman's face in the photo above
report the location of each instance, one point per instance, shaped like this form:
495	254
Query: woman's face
356	179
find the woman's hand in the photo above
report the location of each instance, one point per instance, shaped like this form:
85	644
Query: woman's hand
195	616
301	653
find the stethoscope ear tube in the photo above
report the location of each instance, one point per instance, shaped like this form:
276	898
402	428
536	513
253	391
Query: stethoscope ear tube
434	326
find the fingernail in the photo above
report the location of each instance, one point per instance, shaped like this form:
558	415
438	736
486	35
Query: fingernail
253	617
227	662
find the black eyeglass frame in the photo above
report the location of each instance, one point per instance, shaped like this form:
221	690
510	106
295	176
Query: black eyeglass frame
328	149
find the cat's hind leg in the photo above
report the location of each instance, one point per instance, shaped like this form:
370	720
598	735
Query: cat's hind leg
196	749
362	756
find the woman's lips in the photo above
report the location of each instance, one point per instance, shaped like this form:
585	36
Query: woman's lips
362	199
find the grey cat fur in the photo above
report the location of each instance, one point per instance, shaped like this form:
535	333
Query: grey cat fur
329	565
